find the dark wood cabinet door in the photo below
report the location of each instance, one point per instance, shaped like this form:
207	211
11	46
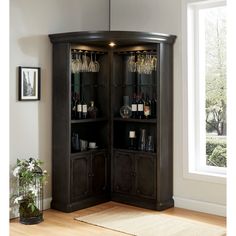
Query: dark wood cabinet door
145	175
80	177
99	172
123	172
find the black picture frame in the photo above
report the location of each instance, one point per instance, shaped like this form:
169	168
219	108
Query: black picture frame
29	83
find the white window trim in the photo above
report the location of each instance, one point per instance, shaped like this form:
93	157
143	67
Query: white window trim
190	164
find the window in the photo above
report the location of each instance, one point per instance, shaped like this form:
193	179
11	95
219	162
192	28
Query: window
206	87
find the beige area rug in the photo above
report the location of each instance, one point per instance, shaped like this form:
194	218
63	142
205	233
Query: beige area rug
134	221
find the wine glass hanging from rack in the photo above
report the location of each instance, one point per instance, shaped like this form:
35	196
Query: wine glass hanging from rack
143	62
84	61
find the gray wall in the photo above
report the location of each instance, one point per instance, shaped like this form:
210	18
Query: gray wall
30	24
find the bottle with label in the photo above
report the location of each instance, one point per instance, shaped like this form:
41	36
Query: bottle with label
132	140
147	108
153	108
140	108
134	107
84	108
78	109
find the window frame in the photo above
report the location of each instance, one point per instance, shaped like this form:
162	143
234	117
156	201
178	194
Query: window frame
193	97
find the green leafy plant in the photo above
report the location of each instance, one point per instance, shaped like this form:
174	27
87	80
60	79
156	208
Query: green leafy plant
30	179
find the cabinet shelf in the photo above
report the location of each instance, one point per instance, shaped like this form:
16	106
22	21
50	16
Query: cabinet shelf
135	151
89	151
94	85
133	85
102	119
150	121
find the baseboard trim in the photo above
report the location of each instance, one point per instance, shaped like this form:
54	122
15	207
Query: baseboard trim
206	207
47	203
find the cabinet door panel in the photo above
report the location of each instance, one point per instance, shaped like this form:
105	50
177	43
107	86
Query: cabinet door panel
99	172
80	177
123	172
145	175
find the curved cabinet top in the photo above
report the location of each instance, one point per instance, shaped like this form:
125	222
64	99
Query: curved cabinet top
102	38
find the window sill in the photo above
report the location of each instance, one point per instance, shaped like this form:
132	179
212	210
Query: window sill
206	177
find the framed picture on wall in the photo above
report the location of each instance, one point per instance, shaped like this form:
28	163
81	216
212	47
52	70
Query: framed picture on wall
29	83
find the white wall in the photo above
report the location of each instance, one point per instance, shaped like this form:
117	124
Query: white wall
30	23
165	17
30	122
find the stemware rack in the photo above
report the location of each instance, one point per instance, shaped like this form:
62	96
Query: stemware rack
84	61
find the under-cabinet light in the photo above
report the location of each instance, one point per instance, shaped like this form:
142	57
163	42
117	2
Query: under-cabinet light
112	44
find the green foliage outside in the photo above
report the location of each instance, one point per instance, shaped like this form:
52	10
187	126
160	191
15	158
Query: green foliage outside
216	151
216	100
216	71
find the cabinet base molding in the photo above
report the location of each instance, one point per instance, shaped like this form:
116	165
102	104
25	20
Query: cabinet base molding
88	202
160	206
145	203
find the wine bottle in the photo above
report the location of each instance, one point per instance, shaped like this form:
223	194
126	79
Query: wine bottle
140	108
79	109
147	107
134	107
153	108
132	140
84	109
73	106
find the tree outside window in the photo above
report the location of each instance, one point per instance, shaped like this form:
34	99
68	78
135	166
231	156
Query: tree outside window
215	86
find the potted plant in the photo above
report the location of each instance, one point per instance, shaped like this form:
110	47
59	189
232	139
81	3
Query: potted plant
29	194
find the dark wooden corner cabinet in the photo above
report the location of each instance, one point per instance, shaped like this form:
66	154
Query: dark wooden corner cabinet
113	170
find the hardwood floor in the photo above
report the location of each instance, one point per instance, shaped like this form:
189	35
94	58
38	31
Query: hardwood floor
58	223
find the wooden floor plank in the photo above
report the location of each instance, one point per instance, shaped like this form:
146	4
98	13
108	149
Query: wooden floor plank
63	224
